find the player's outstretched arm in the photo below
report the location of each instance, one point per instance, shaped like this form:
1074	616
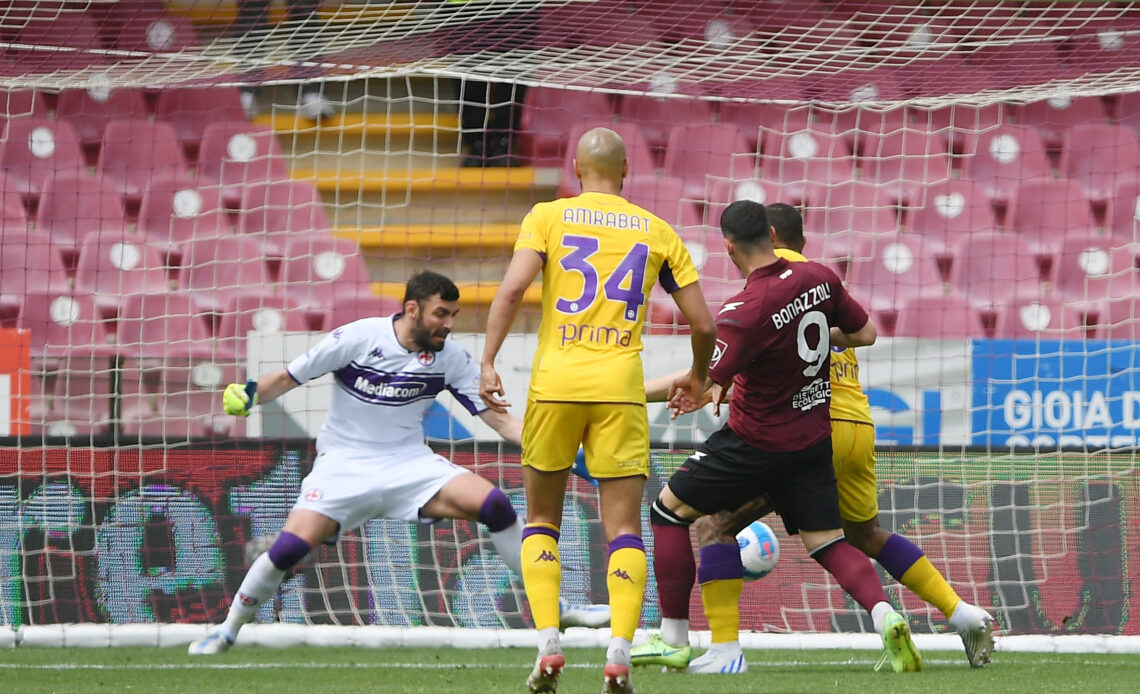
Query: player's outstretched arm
702	337
507	426
525	266
861	338
239	398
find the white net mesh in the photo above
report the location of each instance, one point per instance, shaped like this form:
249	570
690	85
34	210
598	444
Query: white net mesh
176	175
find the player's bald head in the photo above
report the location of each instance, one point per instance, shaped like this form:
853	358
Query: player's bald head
601	152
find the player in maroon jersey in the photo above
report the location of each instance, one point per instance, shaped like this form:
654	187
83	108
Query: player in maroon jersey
774	343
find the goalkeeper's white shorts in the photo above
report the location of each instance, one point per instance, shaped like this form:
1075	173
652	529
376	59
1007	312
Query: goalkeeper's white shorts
352	486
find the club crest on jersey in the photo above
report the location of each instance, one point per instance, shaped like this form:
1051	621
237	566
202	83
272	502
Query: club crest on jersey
718	352
426	358
314	495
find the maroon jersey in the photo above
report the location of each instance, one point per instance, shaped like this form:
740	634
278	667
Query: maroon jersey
773	344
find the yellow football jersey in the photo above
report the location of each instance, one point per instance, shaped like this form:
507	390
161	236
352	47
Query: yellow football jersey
602	255
848	401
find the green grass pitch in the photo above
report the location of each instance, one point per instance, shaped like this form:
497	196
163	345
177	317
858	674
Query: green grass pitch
439	671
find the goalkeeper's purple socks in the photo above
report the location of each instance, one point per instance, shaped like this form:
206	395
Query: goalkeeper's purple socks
288	551
496	512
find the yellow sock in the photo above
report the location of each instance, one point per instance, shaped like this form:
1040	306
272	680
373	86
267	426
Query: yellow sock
625	579
928	584
542	573
721	600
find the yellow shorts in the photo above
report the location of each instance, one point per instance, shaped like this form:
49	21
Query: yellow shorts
615	437
853	456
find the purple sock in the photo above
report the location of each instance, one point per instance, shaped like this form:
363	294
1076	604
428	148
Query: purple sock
540	530
288	550
496	512
628	541
897	555
720	562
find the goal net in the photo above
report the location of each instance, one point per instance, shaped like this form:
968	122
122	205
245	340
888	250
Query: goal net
193	192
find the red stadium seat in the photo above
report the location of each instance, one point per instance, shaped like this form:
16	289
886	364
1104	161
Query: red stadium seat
1118	319
939	316
656	115
1046	211
349	309
156	34
546	116
1124	212
990	267
637	153
316	271
946	211
665	197
885	271
136	152
73	32
1053	117
958	123
699	152
213	269
163	325
38	149
191	110
274	212
90	110
73	206
28	263
1100	157
1038	317
113	266
63	325
753	119
807	158
722	193
258	309
1089	267
240	154
906	158
1002	158
176	210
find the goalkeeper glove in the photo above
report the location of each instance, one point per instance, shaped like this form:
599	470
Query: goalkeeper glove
239	399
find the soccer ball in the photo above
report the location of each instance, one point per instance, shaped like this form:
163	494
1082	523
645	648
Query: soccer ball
759	550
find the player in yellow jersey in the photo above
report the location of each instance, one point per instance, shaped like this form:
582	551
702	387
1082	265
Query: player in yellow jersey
599	256
853	456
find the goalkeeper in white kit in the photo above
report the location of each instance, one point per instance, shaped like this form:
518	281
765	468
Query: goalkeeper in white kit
371	457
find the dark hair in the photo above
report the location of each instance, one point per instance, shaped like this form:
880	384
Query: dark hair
426	284
789	225
745	223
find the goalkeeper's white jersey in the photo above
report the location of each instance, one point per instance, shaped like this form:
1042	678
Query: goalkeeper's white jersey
382	390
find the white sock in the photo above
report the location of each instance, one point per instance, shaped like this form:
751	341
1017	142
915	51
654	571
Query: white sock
964	615
879	615
675	632
508	542
549	641
618	652
259	584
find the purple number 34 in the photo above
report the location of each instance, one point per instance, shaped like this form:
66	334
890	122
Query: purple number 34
632	266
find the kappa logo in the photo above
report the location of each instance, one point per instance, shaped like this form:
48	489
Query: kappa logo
546	555
337	333
376	353
622	574
426	358
314	495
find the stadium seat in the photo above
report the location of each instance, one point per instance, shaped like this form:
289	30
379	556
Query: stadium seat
656	115
63	325
1127	110
989	267
853	206
191	110
178	209
90	110
804	159
156	34
113	266
213	269
135	152
1089	267
170	421
349	309
81	395
72	206
176	401
884	271
316	271
72	31
1103	46
1039	317
1046	211
945	211
906	158
958	123
38	149
1099	157
940	316
546	116
13	219
28	263
163	325
1053	117
21	102
664	196
854	87
238	155
1002	158
700	152
258	309
275	211
723	192
1124	211
1012	47
753	119
1118	319
113	18
637	153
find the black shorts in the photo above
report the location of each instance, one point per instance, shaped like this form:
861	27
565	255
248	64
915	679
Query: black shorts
725	472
